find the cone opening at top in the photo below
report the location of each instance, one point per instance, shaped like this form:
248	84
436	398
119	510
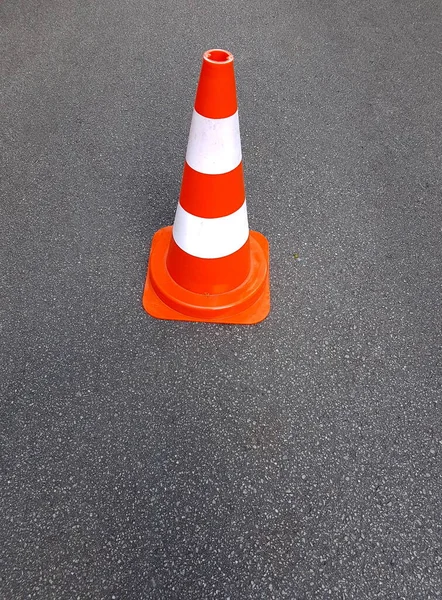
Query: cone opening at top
218	56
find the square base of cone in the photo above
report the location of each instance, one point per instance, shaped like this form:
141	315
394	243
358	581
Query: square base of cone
255	313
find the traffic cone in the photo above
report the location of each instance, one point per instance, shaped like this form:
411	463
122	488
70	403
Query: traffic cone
209	266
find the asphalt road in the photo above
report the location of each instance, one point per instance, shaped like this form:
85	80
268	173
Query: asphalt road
299	458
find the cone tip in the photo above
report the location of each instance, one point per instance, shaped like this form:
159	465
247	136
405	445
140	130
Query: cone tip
218	57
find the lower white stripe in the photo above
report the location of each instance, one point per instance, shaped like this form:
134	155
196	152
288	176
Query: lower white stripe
211	238
214	145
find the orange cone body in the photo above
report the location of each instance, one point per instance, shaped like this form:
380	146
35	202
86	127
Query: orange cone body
209	266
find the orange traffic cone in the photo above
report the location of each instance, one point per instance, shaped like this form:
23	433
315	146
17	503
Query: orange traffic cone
209	266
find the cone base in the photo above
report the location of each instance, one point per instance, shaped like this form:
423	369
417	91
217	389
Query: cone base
249	303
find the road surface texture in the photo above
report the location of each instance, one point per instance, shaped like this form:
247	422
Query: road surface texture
299	458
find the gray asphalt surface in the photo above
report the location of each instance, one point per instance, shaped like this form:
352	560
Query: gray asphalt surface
300	458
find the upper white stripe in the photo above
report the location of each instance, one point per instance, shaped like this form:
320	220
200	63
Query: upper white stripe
211	238
214	145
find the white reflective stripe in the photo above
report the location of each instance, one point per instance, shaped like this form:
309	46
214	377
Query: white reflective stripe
211	238
214	145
